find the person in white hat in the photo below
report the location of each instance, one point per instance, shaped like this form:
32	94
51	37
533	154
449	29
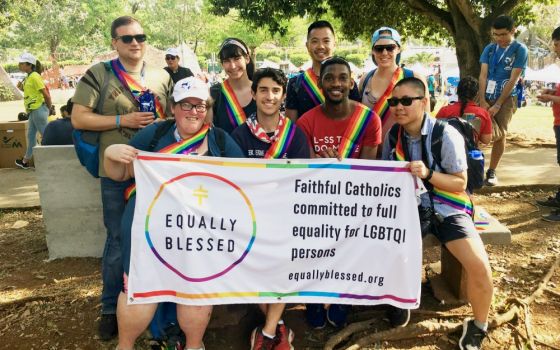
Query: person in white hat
173	68
37	102
190	104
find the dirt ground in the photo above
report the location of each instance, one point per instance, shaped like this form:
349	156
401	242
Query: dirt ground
55	304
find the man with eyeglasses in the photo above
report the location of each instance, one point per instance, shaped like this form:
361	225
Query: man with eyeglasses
173	68
445	178
502	64
303	92
117	98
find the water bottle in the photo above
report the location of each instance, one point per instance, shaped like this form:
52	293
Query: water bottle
476	169
146	102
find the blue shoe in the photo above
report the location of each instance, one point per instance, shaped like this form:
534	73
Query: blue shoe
337	314
316	315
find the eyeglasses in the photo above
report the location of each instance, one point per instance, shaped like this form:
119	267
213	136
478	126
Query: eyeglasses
127	39
405	101
381	48
169	57
185	106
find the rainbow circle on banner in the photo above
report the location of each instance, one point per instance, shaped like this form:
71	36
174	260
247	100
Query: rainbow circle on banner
228	268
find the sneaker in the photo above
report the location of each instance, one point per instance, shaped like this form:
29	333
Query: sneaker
398	317
336	315
554	216
108	327
316	315
21	164
472	336
285	336
260	342
491	178
551	202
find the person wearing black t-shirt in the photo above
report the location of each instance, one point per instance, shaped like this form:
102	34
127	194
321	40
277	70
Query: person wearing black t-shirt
175	71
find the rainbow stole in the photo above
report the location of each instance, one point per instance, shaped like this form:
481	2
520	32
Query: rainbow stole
457	200
310	85
283	140
234	110
381	107
181	147
133	87
355	130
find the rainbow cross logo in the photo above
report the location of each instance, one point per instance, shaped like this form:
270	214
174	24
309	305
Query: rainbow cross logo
200	192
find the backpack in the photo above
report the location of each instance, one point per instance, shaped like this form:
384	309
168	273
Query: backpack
475	158
164	127
86	142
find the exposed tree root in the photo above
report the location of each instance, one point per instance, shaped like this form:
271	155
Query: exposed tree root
519	308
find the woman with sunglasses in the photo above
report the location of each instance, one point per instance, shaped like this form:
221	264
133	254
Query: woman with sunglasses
376	86
233	99
188	133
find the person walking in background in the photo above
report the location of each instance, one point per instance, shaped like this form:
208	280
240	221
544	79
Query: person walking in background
553	96
37	101
502	64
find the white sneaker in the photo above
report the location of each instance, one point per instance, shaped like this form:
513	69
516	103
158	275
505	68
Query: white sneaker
491	178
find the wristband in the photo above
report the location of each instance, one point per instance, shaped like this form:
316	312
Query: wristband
118	121
430	174
497	105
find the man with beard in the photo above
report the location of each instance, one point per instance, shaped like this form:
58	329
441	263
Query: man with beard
338	128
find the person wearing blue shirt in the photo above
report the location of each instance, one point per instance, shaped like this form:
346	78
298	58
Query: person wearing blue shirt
502	64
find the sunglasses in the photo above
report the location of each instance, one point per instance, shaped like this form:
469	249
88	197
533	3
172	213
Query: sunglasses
127	39
405	101
381	48
185	106
169	57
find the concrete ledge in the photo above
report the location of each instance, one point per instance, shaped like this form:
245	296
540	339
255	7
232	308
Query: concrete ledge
71	202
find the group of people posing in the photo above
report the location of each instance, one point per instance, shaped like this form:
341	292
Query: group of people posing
136	107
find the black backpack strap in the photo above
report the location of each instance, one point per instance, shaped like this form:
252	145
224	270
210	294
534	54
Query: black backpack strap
393	136
437	141
220	136
101	101
366	81
161	130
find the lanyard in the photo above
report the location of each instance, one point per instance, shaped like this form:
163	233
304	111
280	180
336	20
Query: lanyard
494	56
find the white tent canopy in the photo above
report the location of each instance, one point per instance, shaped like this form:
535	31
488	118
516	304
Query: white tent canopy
549	74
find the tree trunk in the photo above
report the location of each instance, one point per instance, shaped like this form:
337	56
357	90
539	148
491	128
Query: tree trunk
5	79
469	43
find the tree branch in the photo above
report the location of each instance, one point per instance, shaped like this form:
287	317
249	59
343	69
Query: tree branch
466	10
505	8
435	13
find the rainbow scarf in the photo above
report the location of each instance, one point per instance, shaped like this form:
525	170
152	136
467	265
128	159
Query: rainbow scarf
185	146
133	87
234	110
355	130
381	107
283	140
310	85
457	200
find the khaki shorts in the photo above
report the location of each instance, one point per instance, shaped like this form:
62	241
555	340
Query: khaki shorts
501	120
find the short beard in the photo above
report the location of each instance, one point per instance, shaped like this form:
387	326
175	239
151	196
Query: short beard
334	102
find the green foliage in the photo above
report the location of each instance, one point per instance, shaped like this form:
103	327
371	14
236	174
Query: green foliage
6	93
356	58
11	67
299	58
274	59
424	58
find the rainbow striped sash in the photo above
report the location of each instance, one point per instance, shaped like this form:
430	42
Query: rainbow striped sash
181	147
312	88
282	141
457	200
381	107
355	130
134	87
234	110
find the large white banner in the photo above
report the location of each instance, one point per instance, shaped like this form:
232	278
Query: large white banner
222	231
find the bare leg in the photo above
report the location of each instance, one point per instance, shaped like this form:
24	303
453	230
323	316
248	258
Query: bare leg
472	256
132	320
193	321
498	148
273	315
